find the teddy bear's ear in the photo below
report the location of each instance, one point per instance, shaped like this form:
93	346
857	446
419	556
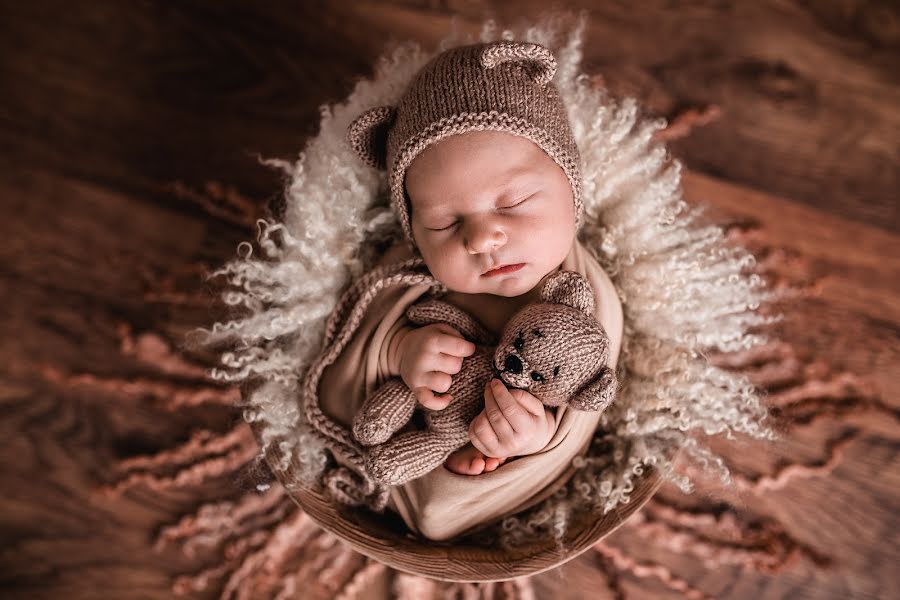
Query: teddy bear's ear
368	135
571	289
539	61
597	394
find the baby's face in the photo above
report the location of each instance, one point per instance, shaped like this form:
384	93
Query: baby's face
487	199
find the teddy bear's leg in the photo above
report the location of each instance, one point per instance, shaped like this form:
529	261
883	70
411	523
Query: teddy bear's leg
386	411
456	417
411	455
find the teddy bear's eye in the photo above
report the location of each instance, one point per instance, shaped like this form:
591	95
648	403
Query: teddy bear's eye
555	371
537	376
519	343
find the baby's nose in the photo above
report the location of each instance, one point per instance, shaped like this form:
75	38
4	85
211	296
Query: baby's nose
484	238
513	364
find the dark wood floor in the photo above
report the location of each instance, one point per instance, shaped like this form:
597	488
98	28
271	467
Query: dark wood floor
130	135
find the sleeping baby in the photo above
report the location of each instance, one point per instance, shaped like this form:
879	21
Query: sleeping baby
484	179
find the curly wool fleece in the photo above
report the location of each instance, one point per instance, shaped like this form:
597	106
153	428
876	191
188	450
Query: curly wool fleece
684	291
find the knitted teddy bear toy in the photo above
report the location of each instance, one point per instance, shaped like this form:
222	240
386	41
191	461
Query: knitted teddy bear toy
555	349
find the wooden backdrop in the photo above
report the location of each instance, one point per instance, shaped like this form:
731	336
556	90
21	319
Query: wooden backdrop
131	135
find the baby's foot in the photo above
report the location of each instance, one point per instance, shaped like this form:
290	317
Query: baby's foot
469	460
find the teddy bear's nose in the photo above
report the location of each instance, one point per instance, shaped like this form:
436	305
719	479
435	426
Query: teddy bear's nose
513	364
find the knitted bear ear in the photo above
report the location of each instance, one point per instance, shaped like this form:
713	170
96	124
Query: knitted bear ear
571	289
540	62
368	135
597	394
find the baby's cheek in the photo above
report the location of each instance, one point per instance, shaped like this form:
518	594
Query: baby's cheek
450	268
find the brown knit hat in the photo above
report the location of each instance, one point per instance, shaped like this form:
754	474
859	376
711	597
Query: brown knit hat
499	86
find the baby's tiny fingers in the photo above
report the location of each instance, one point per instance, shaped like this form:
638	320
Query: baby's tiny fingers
455	346
437	381
473	439
483	437
430	400
507	404
448	364
532	405
499	421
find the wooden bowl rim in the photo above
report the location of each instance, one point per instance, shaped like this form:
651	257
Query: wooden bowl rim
451	561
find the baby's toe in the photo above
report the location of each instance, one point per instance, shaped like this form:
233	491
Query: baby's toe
462	462
492	463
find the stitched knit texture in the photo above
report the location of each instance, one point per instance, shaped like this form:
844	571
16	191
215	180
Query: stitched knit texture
502	86
352	485
555	349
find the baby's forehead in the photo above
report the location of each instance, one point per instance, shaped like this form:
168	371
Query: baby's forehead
436	196
491	165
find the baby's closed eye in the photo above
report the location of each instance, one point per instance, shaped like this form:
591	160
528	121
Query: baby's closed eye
446	227
517	202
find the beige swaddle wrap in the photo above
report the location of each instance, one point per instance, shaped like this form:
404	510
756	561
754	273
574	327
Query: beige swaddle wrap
442	504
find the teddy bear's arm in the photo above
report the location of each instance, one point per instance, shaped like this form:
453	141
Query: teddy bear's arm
437	311
384	412
411	455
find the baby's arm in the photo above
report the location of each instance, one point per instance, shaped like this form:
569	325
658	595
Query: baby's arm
513	423
425	359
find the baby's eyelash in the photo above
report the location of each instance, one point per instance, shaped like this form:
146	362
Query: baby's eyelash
443	228
518	202
455	223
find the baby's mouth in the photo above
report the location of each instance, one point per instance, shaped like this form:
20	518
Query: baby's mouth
503	269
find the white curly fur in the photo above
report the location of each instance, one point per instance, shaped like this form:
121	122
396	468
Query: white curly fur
683	289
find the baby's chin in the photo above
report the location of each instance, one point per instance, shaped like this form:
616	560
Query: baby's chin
509	290
508	287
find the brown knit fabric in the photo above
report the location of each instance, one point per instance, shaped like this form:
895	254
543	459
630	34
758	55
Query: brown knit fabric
352	484
500	86
438	311
555	349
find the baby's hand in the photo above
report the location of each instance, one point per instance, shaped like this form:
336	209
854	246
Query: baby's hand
513	423
429	355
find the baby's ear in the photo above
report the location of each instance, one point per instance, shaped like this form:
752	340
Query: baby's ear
368	135
597	394
571	289
538	60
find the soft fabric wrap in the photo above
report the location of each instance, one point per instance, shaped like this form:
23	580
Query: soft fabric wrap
442	504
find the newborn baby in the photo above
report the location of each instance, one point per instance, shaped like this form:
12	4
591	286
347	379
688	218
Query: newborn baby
492	215
483	174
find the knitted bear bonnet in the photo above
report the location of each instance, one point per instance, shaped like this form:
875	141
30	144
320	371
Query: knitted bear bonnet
501	86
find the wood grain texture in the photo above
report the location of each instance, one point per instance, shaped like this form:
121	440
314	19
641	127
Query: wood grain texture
129	138
808	93
386	538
